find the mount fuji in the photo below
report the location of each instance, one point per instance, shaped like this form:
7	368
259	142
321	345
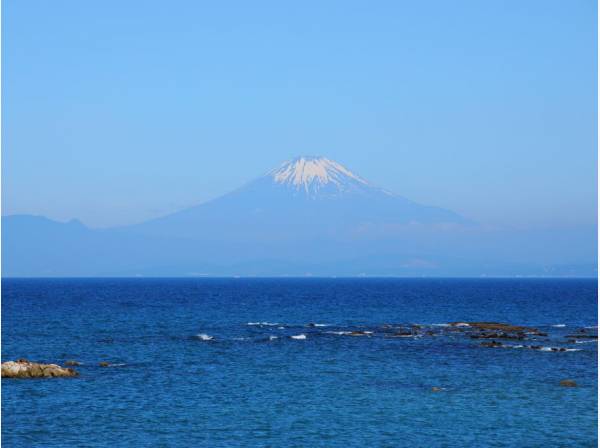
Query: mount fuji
310	215
307	197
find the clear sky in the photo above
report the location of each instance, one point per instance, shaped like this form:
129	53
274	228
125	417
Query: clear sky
118	111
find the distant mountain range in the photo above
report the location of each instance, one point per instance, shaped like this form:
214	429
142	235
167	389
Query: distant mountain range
309	216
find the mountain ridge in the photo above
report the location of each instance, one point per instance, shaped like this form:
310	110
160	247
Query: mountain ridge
309	214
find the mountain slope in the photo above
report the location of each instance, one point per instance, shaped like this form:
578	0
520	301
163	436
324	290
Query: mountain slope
308	197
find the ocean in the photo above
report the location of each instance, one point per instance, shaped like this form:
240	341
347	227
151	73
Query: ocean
301	363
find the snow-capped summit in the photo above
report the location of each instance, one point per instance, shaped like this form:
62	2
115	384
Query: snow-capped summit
314	174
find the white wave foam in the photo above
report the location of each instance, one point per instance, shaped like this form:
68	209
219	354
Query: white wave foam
559	326
263	324
272	338
339	333
442	325
593	326
555	349
299	336
587	342
204	337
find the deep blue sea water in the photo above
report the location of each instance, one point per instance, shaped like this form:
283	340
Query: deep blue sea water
253	385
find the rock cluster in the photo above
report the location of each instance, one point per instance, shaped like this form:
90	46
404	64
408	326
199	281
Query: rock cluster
25	369
497	330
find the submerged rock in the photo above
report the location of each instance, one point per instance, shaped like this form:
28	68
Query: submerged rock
359	333
402	334
436	389
71	362
25	369
568	383
491	344
104	364
498	335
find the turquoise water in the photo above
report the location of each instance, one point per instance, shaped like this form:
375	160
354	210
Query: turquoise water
171	385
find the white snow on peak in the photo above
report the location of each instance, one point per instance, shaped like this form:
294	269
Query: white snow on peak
313	172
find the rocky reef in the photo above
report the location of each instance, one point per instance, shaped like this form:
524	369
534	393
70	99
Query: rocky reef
26	369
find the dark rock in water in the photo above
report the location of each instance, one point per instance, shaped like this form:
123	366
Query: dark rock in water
358	333
71	362
497	326
499	335
582	336
402	334
491	344
25	369
436	389
104	364
568	383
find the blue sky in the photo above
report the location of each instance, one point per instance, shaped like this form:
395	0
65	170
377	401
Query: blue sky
115	112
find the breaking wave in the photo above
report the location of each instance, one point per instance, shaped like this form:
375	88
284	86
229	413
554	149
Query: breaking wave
204	337
263	324
299	336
